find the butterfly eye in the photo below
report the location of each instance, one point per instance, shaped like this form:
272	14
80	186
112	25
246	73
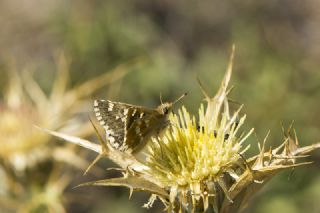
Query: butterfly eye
165	110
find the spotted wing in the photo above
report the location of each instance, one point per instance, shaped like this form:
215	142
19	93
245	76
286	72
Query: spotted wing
117	118
143	128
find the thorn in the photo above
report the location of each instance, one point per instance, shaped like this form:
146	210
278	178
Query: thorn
258	141
290	127
130	192
229	90
291	174
245	162
93	163
295	137
265	139
203	90
224	189
105	149
234	101
261	157
282	128
270	156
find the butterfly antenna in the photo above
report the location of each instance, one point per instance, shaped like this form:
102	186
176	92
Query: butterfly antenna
182	96
161	98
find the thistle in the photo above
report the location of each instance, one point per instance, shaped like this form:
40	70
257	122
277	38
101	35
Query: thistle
198	165
25	150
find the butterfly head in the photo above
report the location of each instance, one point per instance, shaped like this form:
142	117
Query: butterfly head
166	108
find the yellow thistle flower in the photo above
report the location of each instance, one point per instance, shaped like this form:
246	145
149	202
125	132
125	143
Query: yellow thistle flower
190	153
197	165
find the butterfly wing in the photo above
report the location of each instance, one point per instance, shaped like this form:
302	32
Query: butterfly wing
119	120
111	118
143	127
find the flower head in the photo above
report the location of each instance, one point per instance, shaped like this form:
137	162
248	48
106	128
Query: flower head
190	153
27	151
25	104
194	154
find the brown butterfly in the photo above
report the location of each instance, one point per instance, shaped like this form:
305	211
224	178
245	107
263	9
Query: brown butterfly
129	127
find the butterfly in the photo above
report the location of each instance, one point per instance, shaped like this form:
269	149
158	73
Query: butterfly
129	127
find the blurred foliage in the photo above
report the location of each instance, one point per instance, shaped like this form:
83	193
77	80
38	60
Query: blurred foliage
275	70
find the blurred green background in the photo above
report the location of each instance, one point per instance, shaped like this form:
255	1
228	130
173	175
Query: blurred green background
276	70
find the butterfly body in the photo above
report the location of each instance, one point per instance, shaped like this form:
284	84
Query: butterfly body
129	127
